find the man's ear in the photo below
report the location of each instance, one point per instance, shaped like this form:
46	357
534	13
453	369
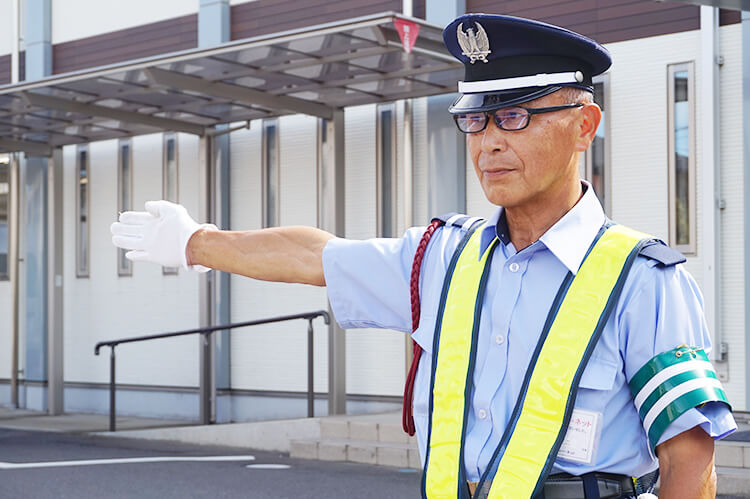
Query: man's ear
592	116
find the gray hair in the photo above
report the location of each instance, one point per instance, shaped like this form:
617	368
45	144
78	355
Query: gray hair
575	95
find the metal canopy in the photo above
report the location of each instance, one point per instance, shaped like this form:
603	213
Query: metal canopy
311	71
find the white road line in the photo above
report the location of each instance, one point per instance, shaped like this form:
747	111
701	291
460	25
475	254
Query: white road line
127	460
268	466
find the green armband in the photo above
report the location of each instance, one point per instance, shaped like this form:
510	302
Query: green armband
671	384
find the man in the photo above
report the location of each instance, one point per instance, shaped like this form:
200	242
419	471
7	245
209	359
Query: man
563	354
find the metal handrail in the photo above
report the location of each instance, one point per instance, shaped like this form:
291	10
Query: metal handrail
206	332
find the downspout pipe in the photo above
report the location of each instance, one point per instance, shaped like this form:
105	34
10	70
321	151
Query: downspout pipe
712	202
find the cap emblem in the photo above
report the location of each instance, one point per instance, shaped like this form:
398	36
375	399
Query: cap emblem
475	46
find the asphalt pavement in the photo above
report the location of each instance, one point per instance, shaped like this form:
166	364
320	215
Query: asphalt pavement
42	465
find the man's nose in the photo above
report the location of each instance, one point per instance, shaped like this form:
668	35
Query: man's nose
493	137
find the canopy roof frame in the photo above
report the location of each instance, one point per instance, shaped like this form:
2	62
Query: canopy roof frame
313	70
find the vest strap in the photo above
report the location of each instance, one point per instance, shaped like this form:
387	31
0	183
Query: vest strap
456	330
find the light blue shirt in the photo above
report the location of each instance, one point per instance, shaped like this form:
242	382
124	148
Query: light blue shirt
659	309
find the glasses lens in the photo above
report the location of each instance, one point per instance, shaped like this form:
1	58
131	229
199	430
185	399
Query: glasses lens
471	122
511	118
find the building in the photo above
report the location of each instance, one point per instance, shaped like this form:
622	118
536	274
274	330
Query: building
274	112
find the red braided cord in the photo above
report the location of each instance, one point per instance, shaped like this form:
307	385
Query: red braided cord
407	416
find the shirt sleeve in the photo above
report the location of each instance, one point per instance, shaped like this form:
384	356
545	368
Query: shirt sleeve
368	281
661	309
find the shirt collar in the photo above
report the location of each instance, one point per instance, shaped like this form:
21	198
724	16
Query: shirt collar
569	239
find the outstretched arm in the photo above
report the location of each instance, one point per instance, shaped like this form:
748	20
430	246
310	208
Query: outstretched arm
285	254
165	234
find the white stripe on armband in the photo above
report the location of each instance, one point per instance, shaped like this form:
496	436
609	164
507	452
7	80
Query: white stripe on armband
674	394
667	373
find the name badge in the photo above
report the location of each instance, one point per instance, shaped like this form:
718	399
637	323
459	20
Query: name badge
582	437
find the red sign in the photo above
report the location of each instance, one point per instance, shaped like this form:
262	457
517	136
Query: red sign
407	32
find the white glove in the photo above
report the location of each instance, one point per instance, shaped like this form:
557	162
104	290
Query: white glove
158	235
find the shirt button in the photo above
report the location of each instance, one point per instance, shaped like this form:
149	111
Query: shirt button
482	414
499	339
513	267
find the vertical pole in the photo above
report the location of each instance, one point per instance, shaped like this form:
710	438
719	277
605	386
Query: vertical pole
55	342
408	200
745	110
14	277
407	8
14	37
331	218
214	28
711	180
310	371
112	407
206	288
446	150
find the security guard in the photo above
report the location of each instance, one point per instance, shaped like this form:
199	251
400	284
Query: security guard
564	355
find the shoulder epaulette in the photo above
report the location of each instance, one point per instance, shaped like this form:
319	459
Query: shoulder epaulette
459	220
663	254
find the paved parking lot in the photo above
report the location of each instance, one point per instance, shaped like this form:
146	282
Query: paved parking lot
60	466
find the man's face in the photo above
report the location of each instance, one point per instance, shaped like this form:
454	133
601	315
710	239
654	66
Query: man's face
535	165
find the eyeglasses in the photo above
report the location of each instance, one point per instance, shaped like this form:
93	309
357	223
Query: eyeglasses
507	118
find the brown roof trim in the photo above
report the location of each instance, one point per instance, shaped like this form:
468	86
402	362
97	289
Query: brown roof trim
161	37
268	16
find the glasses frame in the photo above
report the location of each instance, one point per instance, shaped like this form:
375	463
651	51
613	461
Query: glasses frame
531	110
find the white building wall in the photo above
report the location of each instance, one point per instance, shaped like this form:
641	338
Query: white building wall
105	306
74	19
640	188
732	306
421	158
375	358
274	357
640	194
477	204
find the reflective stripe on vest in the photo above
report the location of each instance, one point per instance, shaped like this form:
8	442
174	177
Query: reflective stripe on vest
539	421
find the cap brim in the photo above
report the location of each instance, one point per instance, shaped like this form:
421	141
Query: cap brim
489	101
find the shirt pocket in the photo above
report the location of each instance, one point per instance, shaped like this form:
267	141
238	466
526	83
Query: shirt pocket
600	374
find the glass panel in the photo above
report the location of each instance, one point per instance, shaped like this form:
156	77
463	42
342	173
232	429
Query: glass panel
83	213
271	165
597	148
125	266
4	203
386	173
681	130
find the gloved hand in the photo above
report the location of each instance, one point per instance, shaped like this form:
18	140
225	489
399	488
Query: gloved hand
158	235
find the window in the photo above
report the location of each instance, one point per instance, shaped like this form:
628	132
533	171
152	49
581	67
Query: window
82	211
270	173
170	171
597	163
4	211
681	131
124	196
386	161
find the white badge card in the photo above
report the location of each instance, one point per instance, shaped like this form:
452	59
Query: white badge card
582	437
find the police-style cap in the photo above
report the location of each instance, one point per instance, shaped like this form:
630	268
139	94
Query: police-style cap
510	60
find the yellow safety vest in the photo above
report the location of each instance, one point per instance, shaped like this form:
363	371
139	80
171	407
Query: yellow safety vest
539	421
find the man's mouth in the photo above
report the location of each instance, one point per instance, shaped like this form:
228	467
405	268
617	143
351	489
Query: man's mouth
496	173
